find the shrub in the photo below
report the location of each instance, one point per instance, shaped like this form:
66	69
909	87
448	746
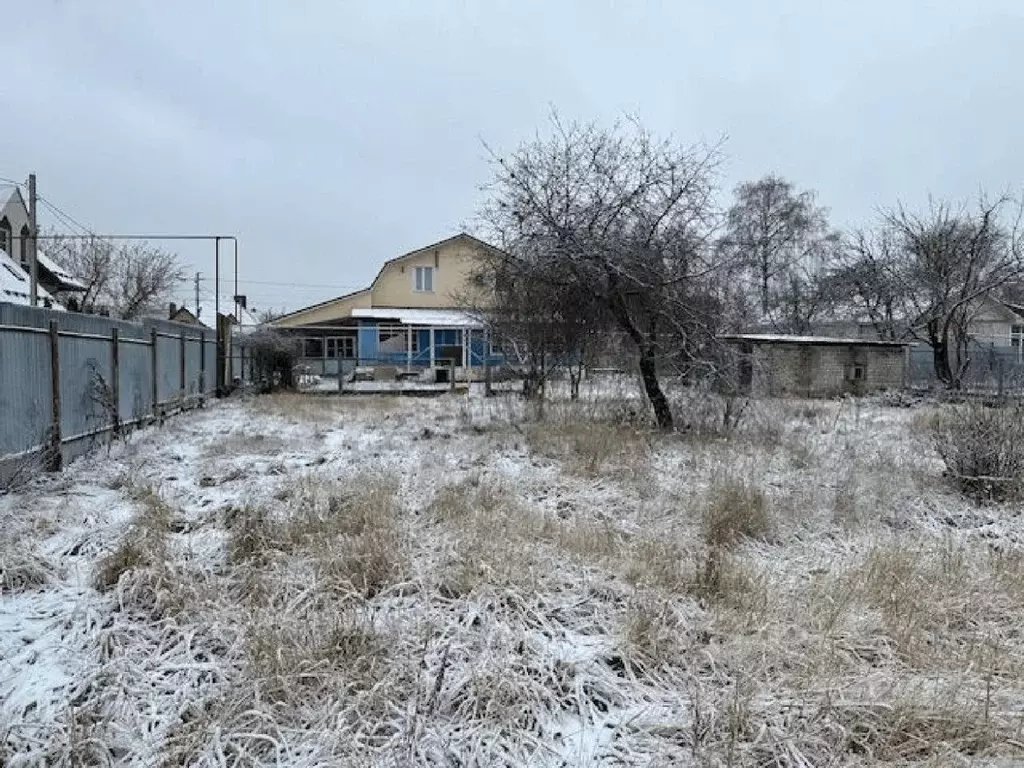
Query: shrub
735	511
983	449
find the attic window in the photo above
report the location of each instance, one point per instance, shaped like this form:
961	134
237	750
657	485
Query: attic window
423	281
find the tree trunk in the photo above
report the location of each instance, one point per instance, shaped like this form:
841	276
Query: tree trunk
940	357
655	395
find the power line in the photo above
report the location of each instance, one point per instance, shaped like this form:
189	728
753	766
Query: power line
65	217
277	284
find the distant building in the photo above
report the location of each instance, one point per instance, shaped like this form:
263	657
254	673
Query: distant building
412	316
816	366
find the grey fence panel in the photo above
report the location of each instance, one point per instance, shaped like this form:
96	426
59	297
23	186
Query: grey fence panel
168	368
25	376
135	379
992	368
211	365
86	384
86	368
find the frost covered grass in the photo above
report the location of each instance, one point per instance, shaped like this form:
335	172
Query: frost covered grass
313	581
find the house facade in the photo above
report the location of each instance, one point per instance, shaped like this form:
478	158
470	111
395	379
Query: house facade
413	317
58	285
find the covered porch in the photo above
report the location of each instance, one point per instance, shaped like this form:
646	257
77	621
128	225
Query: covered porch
409	341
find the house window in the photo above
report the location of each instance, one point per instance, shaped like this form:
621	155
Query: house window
5	235
1017	340
24	246
423	279
312	347
340	346
856	372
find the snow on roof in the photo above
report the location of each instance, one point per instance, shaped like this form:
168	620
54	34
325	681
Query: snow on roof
227	307
68	281
447	318
14	285
784	338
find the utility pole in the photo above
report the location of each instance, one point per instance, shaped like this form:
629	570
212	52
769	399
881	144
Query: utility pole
32	231
197	296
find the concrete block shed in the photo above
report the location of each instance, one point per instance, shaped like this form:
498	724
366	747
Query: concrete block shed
769	365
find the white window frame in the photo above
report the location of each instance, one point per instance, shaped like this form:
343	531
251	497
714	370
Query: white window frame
1017	340
339	347
421	277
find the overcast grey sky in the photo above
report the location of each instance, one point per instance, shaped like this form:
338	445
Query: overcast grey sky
333	134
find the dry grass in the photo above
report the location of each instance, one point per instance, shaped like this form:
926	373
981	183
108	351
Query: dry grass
983	449
592	448
507	596
736	511
144	544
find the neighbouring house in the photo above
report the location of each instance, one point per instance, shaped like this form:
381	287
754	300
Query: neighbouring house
412	318
58	284
816	366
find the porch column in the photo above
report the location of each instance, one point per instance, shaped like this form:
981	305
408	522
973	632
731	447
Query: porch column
431	346
408	348
467	340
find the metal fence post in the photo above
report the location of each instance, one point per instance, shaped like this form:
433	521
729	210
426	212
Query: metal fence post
181	356
115	380
202	362
54	460
154	364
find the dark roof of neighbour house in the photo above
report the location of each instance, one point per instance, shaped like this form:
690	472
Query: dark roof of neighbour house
783	338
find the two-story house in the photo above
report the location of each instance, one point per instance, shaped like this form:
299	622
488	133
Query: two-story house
54	280
413	316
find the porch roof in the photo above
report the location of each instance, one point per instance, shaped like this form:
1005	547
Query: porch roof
445	318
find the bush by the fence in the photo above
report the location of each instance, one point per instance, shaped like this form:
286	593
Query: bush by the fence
983	449
274	357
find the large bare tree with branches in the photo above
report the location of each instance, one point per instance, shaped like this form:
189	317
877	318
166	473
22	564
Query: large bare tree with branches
930	273
619	216
131	280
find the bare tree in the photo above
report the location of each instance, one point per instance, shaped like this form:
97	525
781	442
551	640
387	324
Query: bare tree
618	216
781	239
542	323
868	272
928	274
953	259
131	279
267	316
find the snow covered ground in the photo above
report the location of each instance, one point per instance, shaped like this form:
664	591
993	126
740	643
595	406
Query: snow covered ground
296	580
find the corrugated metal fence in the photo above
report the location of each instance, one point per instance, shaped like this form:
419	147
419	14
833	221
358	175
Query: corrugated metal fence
993	368
67	379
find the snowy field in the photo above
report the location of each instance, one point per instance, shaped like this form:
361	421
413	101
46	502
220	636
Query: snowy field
359	581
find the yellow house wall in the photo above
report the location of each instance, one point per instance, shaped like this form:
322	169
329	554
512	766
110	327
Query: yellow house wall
453	263
335	310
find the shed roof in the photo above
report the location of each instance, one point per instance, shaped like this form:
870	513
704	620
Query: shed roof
783	338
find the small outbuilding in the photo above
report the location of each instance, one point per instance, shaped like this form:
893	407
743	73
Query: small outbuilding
769	365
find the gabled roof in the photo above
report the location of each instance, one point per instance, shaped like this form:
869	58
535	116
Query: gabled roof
323	304
440	244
